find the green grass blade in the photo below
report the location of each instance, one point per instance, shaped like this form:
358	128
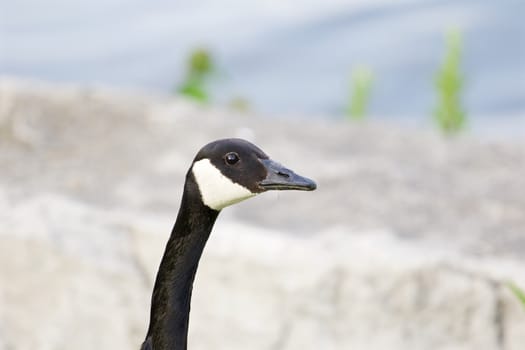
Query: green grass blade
449	114
519	293
361	88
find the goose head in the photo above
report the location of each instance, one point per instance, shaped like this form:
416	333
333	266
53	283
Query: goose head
231	170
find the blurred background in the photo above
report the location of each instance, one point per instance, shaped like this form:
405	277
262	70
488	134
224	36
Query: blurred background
282	57
410	115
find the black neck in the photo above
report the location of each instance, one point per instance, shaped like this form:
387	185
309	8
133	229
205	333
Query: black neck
170	304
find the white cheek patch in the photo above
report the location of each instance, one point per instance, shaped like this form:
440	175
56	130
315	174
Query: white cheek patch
217	191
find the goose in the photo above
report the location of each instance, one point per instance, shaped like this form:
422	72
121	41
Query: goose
224	172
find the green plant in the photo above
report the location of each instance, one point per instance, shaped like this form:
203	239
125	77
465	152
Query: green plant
199	68
449	113
519	293
361	87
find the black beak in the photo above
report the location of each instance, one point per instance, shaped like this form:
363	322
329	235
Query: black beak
281	178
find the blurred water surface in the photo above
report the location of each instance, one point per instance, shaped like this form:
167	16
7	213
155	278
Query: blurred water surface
284	57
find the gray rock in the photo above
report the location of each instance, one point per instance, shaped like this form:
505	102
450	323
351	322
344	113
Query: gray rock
407	244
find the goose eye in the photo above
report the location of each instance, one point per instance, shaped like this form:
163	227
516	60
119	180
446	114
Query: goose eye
231	158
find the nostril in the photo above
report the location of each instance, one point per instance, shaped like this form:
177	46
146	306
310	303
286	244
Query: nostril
283	174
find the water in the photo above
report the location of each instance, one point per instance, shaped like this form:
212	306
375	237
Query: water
283	57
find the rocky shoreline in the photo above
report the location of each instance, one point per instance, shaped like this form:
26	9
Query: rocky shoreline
407	244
